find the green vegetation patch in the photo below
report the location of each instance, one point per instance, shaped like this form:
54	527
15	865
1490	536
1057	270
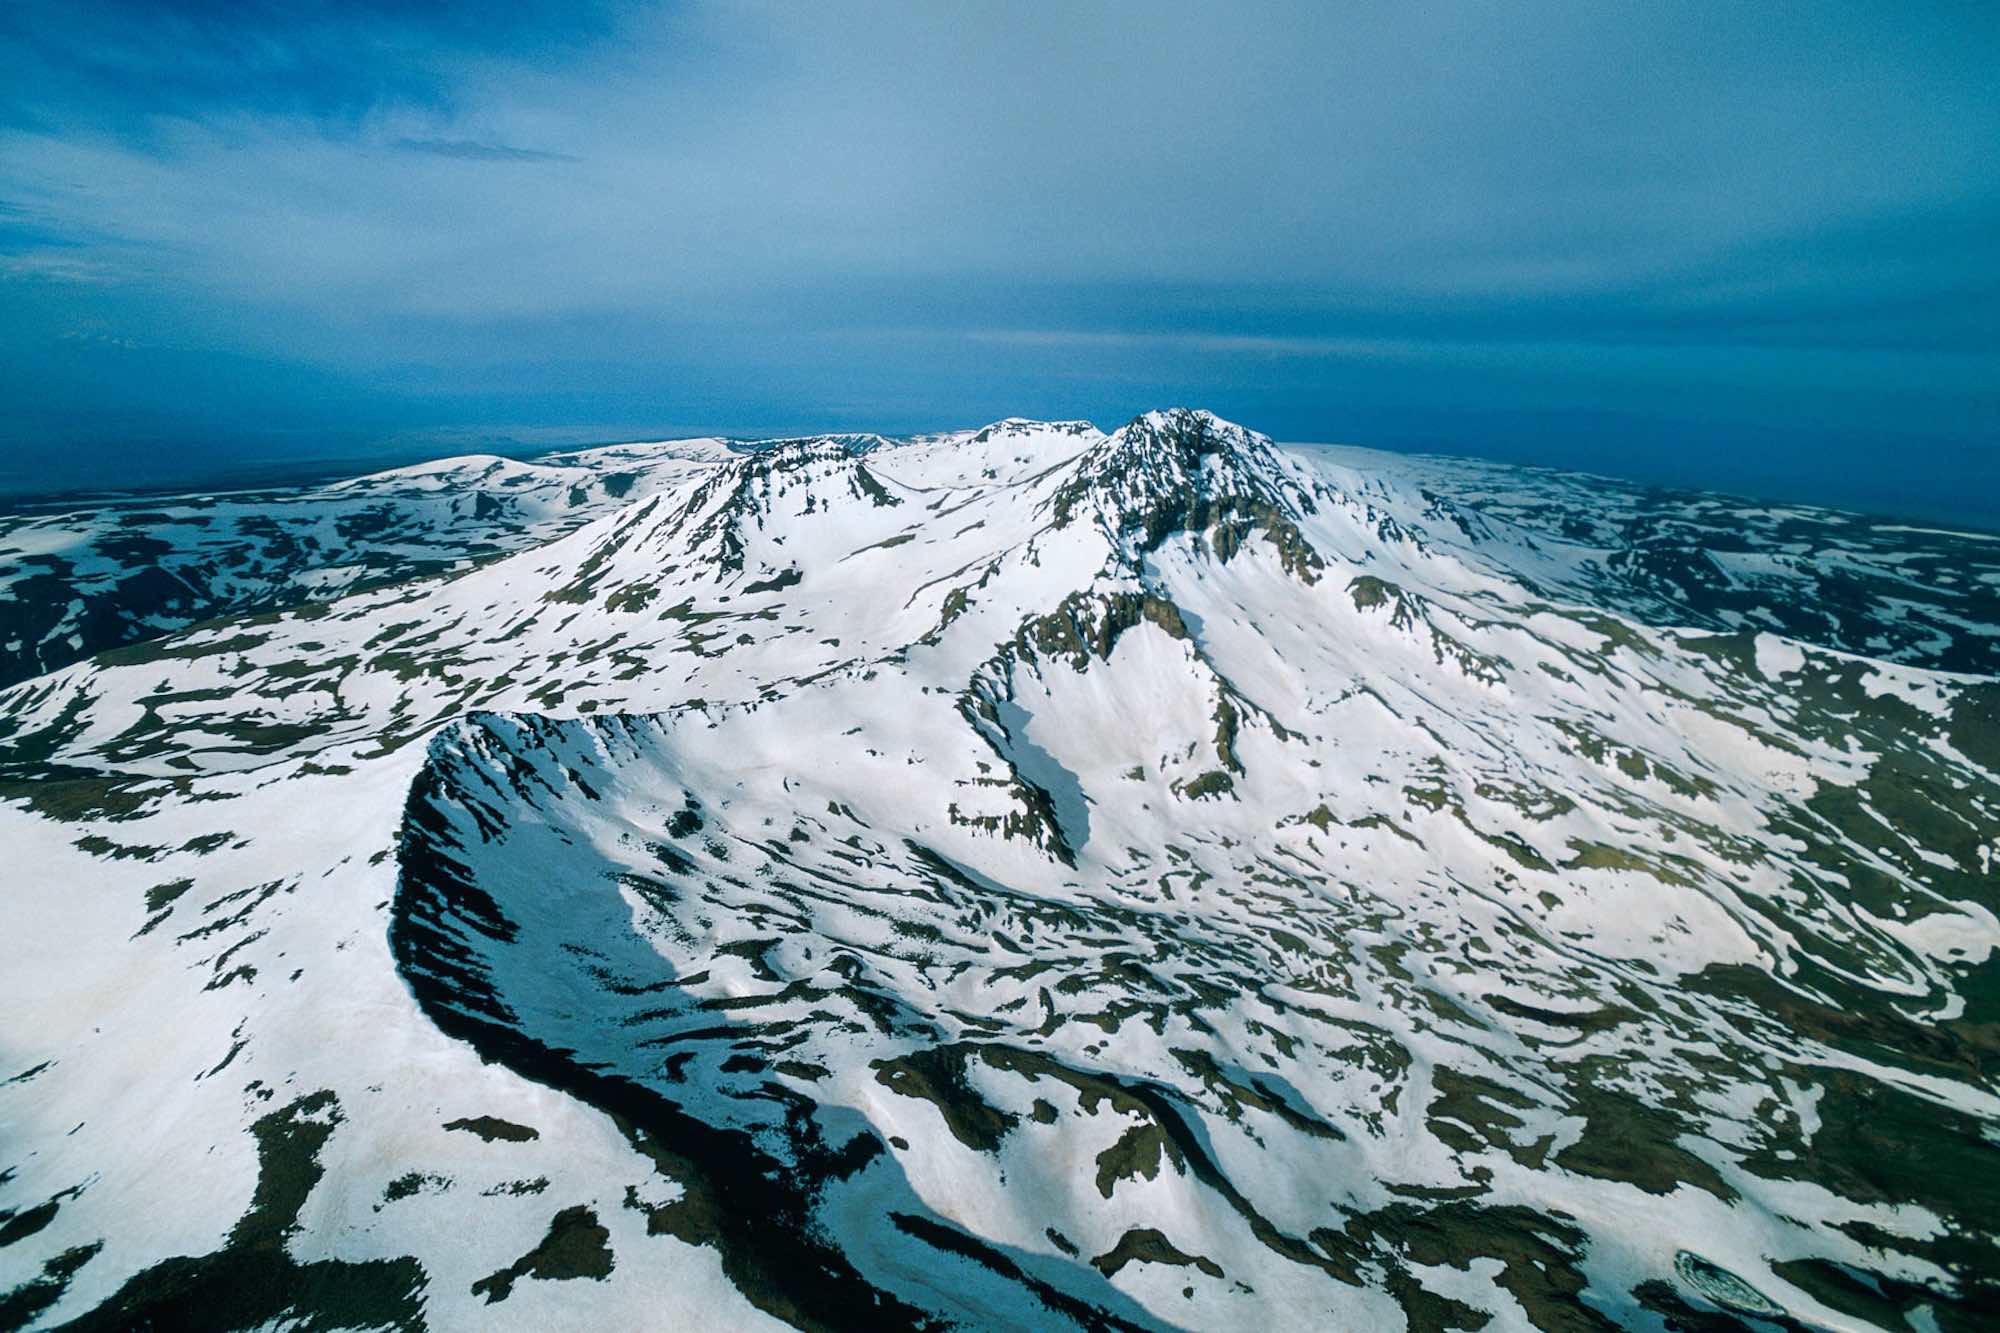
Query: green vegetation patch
1215	782
252	1281
1137	1153
577	1245
491	1127
937	1076
1145	1245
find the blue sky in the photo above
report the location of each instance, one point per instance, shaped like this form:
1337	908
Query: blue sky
1754	246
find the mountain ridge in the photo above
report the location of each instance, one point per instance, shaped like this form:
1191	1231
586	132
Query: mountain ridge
1155	879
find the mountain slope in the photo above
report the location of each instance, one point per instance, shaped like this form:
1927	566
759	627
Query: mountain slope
77	583
1022	878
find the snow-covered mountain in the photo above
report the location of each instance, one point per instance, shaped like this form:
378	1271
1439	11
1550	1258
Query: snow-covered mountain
1022	878
76	582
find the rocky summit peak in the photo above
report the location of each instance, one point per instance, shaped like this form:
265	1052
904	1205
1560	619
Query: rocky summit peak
1024	427
1199	426
1183	469
1184	443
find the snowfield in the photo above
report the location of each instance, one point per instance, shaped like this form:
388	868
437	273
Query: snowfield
1023	878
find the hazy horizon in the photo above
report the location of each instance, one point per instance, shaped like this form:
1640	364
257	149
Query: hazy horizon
1969	510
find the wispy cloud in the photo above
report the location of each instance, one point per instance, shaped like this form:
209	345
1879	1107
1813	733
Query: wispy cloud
125	67
1370	213
472	150
55	265
1220	344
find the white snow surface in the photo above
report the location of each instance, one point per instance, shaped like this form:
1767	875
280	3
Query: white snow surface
1025	877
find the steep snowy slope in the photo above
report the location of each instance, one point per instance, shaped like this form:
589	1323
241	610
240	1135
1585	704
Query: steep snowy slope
1023	878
